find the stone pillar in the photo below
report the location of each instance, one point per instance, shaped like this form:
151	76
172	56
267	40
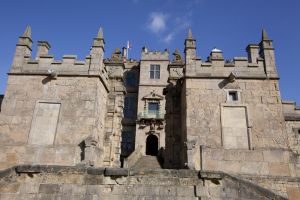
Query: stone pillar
124	52
190	54
191	147
268	54
42	49
253	53
112	141
23	51
96	53
90	151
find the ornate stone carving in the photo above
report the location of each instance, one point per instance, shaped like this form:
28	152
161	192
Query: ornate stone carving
177	56
117	55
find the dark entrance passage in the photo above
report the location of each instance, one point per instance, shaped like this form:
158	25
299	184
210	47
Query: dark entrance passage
152	145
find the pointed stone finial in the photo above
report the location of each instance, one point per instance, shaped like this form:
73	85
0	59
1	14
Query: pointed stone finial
264	35
100	33
190	35
177	56
27	32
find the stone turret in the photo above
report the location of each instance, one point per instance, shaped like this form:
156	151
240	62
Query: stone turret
43	49
97	53
253	53
190	53
267	53
23	51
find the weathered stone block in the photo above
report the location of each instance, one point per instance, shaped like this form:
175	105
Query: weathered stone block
9	188
116	172
254	156
8	196
49	188
273	156
279	169
202	191
29	188
293	193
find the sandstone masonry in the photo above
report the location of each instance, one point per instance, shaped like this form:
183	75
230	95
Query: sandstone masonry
154	128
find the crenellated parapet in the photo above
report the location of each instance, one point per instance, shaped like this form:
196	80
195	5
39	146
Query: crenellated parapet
45	63
259	62
291	111
154	55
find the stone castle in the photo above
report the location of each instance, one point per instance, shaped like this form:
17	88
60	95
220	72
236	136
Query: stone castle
154	128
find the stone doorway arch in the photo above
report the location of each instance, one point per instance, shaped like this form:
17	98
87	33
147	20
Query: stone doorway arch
152	145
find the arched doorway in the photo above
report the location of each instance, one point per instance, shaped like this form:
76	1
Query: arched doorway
152	145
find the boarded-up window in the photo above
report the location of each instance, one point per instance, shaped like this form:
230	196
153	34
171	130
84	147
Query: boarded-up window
234	128
44	123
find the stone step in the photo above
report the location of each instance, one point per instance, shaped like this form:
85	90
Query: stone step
147	162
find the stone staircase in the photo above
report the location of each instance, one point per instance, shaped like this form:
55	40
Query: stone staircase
147	162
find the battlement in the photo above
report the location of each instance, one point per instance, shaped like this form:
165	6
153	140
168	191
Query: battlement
68	64
155	55
259	63
217	66
291	111
45	64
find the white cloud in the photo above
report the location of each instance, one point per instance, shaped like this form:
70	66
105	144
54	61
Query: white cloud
165	26
157	22
179	24
169	37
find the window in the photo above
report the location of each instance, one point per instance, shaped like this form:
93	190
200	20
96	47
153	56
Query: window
130	107
153	108
232	96
130	79
299	131
154	72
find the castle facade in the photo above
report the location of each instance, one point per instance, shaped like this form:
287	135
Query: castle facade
186	113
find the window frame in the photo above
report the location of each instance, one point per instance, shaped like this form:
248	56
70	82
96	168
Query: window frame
153	111
154	71
237	96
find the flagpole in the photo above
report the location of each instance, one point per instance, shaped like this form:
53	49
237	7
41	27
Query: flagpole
127	50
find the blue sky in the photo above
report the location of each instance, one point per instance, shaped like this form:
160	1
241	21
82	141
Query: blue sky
69	26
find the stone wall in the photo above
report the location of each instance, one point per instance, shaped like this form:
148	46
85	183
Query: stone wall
292	120
205	99
261	97
59	182
173	126
285	186
252	162
143	132
81	115
148	90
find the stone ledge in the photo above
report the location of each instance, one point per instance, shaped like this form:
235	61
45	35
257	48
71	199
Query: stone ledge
7	172
243	183
116	172
181	173
159	173
291	117
257	188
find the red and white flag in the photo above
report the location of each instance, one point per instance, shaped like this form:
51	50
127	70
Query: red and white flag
128	45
